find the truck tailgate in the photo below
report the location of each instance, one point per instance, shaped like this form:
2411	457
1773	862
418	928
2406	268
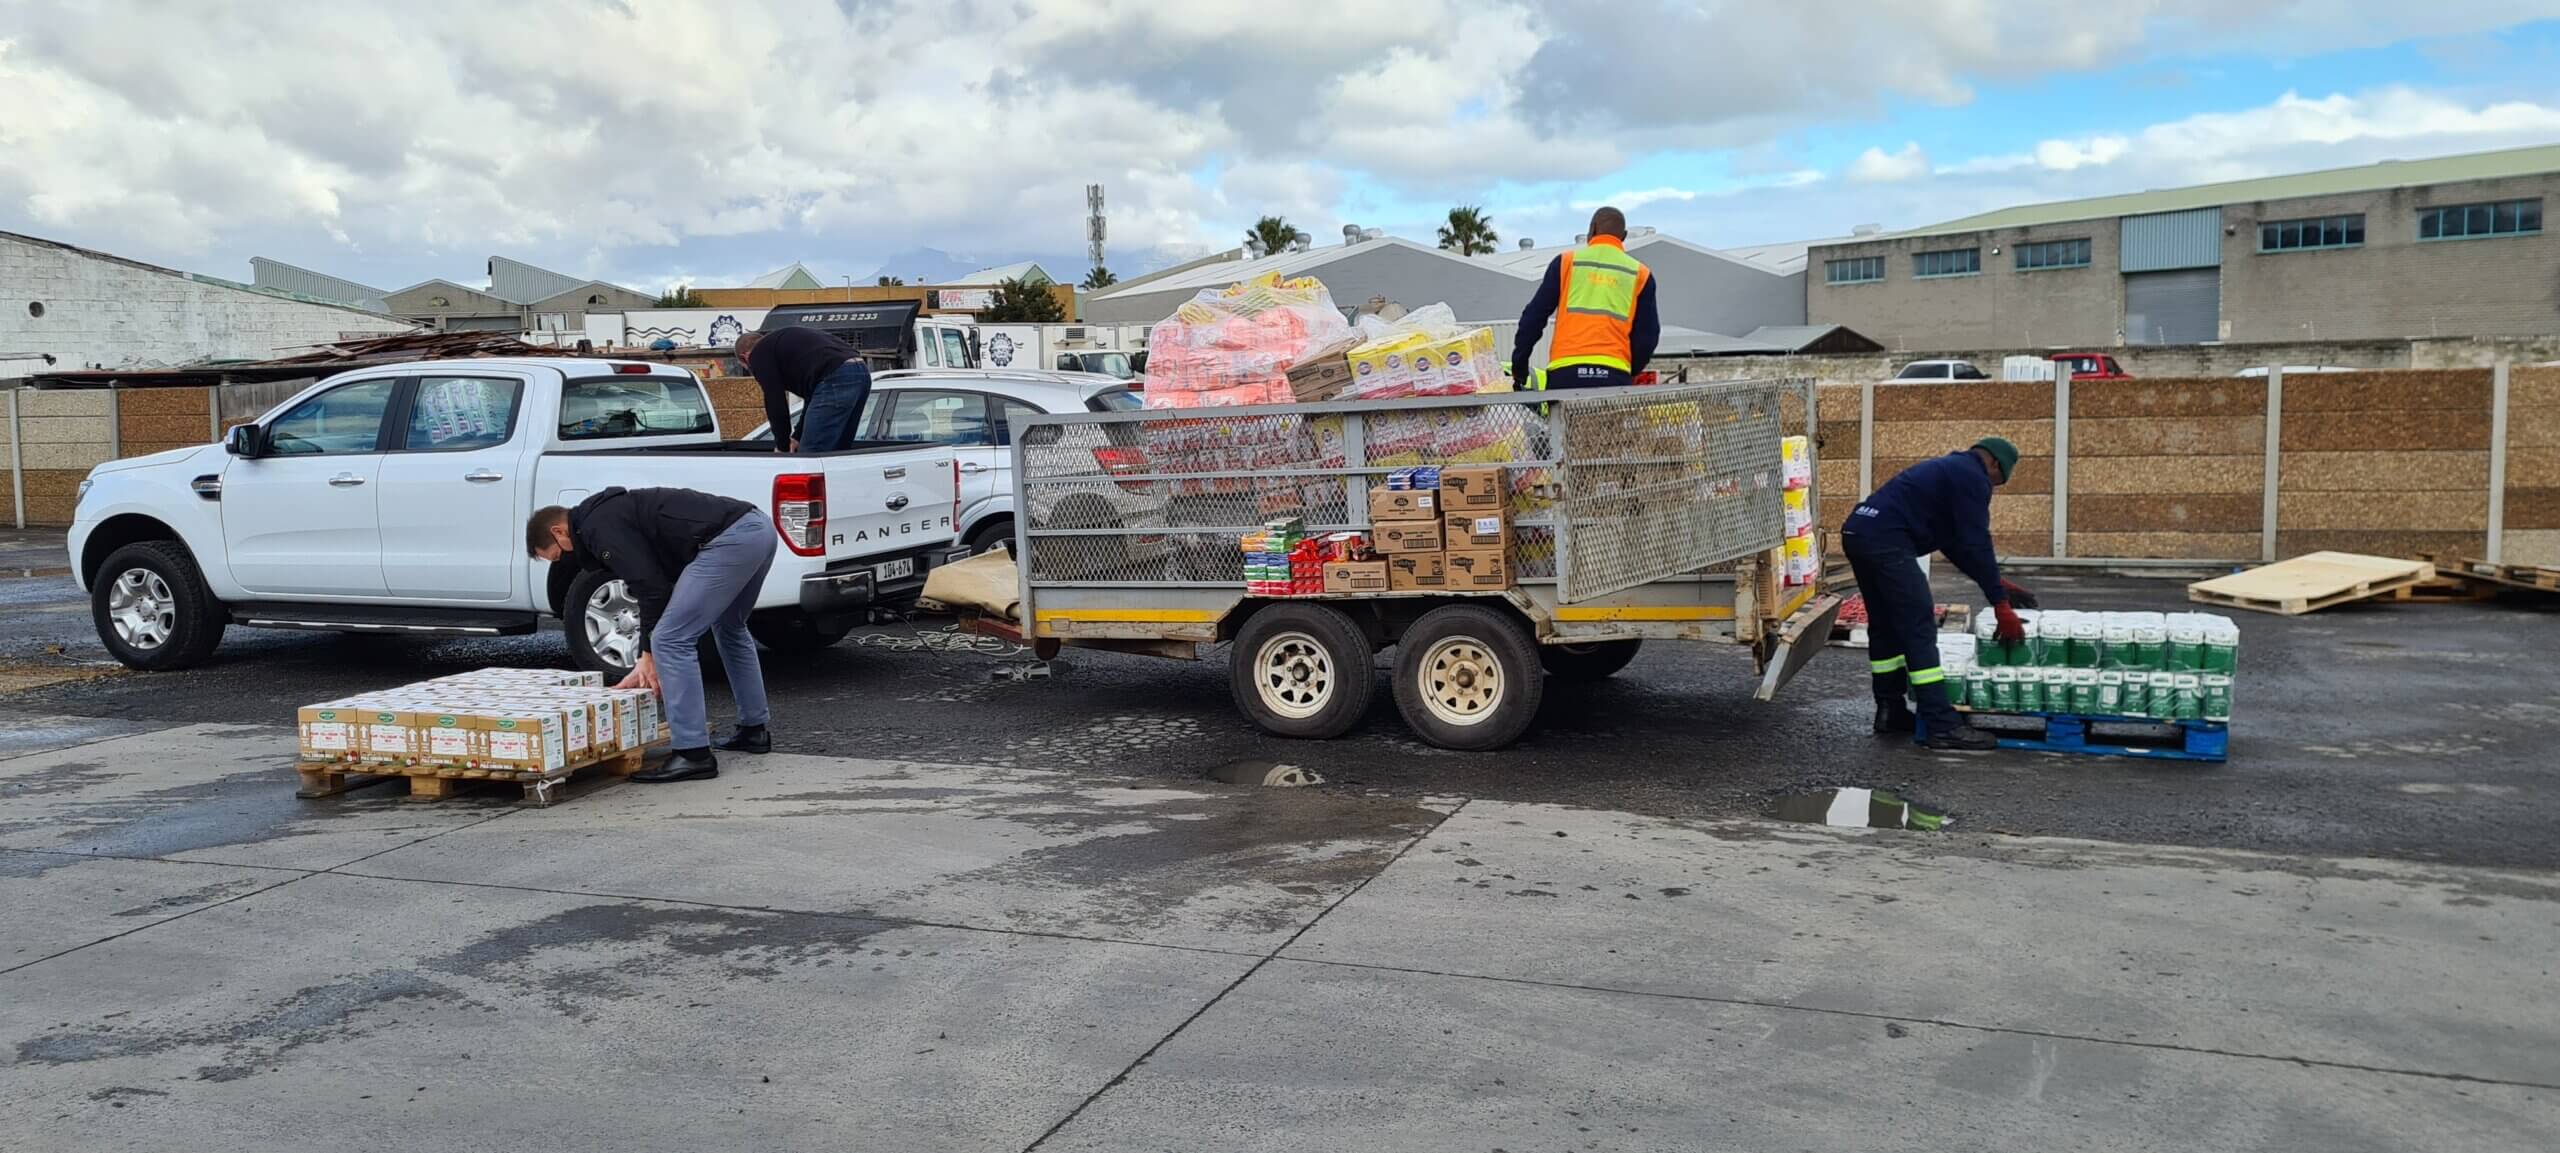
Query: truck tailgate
886	502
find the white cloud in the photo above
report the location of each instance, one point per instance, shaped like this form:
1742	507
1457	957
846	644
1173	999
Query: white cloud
1876	166
1635	198
659	138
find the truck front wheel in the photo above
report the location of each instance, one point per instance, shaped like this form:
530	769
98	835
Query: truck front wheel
601	621
1302	670
1467	677
152	609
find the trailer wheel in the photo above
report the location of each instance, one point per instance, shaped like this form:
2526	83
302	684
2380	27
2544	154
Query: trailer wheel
1589	661
1467	677
1302	670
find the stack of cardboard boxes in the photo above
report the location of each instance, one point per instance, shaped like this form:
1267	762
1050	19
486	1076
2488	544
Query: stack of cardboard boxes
1432	530
538	721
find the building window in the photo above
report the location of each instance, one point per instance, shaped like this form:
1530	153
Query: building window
2053	254
35	309
1855	270
2299	235
2460	221
1957	262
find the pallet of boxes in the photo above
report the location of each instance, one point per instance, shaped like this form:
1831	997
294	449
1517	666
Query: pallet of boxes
534	727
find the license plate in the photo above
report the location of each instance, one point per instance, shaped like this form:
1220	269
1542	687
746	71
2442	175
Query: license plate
894	570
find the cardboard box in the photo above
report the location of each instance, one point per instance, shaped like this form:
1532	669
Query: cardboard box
1407	536
1417	572
1477	530
329	732
1477	571
1356	576
1402	504
1470	489
527	740
1321	374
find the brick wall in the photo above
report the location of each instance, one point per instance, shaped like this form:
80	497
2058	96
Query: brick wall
2167	468
100	311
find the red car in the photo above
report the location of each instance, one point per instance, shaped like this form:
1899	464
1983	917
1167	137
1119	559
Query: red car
2089	366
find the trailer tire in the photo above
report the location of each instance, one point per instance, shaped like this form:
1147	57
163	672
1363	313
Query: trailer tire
1302	670
1588	661
1468	678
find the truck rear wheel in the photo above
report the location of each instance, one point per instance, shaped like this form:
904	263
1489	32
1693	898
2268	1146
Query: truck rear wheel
152	609
1588	661
1468	678
1303	670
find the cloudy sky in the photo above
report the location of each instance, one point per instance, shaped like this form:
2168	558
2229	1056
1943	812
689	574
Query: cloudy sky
659	141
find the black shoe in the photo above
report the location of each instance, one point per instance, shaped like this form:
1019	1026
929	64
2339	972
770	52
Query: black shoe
747	740
1962	739
1893	719
683	765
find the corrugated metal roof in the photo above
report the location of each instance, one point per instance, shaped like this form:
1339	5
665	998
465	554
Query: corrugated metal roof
793	275
283	277
999	275
2329	182
524	283
1533	261
1288	264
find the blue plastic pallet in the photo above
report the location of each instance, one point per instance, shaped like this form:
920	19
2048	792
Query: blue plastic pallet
2068	733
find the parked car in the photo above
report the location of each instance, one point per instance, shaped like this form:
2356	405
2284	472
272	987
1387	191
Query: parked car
2089	366
392	499
1937	370
971	412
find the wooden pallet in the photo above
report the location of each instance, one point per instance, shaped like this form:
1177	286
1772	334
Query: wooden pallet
2517	576
436	782
2310	583
2444	590
2208	741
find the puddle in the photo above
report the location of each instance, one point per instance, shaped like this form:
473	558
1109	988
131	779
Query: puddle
1859	809
1260	772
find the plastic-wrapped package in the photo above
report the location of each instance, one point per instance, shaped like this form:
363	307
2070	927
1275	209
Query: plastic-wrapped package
1234	346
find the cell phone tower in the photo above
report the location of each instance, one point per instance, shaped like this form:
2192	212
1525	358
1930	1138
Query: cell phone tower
1093	224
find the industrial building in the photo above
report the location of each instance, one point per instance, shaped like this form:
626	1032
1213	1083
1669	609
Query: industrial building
1697	289
70	308
2452	246
520	297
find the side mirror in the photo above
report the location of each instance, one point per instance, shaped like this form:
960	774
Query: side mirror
247	441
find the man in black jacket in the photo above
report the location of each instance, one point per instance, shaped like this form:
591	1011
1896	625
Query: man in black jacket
819	369
695	562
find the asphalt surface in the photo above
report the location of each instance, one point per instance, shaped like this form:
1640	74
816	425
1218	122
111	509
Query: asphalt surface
2398	731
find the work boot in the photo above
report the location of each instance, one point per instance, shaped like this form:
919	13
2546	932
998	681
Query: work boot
1892	715
1894	718
747	739
682	765
1944	727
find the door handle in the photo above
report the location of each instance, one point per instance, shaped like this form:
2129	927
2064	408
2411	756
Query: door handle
483	476
346	480
975	468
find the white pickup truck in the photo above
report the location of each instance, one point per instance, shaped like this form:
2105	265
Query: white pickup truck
392	499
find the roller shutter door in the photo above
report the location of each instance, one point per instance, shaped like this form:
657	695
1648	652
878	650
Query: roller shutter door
2183	307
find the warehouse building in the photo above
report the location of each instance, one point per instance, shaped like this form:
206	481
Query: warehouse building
2452	246
71	308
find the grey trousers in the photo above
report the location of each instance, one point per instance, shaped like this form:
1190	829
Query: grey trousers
714	595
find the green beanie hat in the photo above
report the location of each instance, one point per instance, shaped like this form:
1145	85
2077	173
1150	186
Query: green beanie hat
2003	451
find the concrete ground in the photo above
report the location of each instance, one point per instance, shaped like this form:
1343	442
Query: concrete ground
896	954
2414	732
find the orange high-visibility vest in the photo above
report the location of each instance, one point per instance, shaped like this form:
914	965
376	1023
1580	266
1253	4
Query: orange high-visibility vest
1598	285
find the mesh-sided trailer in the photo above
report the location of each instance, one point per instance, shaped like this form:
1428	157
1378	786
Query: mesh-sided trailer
1636	514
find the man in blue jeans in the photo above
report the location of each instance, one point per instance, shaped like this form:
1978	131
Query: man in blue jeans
695	562
825	372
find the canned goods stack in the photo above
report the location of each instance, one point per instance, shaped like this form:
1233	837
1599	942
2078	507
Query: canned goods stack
2162	666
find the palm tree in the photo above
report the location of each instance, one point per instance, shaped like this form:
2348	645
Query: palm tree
1272	235
1469	232
1100	277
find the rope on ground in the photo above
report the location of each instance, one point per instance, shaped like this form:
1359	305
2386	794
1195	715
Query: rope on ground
948	639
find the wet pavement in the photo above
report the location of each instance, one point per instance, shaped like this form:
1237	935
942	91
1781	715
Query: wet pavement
971	957
2414	732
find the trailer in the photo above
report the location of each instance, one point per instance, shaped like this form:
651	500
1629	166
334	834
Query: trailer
1636	515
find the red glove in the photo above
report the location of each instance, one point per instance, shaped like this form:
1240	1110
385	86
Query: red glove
2018	595
2012	630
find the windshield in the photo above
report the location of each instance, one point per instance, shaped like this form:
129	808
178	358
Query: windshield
607	407
1108	364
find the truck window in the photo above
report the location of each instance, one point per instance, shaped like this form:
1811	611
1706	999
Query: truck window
608	407
1115	400
920	416
457	413
930	348
955	349
347	419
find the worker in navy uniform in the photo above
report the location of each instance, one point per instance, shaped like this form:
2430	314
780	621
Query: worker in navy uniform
1941	505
